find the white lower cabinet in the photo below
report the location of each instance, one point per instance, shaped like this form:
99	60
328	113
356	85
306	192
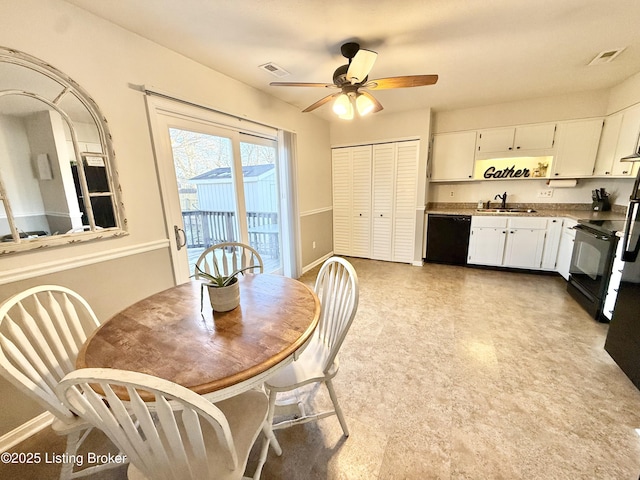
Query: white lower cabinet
487	240
516	242
523	248
565	249
552	244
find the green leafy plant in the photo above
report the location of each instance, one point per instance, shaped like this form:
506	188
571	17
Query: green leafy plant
221	280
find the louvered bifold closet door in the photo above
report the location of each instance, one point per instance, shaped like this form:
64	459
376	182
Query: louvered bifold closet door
361	202
404	215
382	200
341	178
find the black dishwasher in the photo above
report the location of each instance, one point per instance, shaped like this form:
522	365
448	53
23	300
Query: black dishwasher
448	239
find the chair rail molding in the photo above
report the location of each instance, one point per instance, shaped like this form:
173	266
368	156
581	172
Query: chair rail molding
23	273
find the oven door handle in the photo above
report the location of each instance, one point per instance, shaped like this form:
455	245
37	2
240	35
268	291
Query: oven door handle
630	252
589	232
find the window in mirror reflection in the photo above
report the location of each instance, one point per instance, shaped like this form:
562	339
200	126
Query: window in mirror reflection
56	175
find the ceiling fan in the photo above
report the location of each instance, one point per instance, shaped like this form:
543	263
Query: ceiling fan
352	77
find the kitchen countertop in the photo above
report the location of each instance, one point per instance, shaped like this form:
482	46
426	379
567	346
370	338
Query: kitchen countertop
575	211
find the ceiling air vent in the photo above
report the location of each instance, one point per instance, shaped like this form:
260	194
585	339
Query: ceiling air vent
606	56
274	69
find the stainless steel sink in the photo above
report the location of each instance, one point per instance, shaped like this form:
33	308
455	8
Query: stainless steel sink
506	210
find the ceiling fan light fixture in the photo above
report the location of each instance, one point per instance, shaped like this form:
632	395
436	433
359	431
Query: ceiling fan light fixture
349	113
364	105
342	105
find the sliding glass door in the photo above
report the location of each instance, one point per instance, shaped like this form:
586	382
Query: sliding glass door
260	184
219	185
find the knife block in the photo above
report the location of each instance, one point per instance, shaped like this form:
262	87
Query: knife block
601	205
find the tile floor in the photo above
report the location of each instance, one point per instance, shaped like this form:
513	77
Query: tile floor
458	373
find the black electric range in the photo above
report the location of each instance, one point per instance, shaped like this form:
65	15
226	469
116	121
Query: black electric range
591	263
608	227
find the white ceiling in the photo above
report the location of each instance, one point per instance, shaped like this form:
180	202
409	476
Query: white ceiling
485	52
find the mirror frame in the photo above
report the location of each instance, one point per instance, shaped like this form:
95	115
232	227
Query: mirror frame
68	86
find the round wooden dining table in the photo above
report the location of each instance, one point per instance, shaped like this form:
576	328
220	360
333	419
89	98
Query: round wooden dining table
217	354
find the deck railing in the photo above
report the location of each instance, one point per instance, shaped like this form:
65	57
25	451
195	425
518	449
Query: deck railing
204	228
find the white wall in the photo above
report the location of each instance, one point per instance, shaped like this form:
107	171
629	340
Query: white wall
625	94
536	110
526	191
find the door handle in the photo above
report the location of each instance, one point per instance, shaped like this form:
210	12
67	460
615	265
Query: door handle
179	243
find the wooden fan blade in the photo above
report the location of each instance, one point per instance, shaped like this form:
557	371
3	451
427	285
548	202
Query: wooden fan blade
361	65
401	82
378	106
301	84
321	102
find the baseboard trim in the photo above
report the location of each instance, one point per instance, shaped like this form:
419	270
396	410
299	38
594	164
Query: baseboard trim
24	431
320	261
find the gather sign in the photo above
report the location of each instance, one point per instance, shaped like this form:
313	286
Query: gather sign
512	168
509	172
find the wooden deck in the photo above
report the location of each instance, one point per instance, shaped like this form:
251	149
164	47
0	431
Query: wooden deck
271	265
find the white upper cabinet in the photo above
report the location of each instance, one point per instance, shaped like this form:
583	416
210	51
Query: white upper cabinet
619	139
496	140
524	140
452	156
576	148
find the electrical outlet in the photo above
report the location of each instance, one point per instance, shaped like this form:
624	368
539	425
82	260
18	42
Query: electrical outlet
451	193
314	244
548	193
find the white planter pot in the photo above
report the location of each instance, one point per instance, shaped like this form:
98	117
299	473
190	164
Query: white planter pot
226	298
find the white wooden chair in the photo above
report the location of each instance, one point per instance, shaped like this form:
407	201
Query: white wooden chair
225	258
337	289
166	430
41	332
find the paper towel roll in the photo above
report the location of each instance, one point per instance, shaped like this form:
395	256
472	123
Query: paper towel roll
569	182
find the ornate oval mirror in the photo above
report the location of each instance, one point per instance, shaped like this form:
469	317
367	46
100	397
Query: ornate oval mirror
58	182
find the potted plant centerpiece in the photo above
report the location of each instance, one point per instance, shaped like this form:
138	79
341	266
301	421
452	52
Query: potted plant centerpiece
224	290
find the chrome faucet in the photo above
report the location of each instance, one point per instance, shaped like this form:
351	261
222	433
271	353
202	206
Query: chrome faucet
502	197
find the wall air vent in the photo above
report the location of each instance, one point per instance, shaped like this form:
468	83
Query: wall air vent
274	70
606	56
